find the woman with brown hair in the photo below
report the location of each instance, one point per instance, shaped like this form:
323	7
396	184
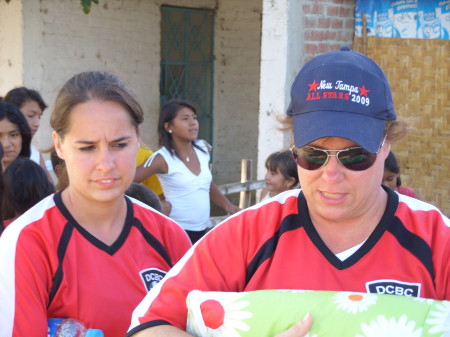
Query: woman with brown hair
87	252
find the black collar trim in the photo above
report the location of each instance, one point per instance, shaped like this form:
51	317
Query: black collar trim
92	239
372	240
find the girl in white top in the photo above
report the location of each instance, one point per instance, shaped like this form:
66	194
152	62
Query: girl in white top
182	166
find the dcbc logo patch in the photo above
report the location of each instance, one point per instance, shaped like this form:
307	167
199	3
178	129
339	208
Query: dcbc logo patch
151	277
393	287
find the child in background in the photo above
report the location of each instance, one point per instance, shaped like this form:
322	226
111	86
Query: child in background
391	177
281	174
145	195
59	168
182	166
25	184
15	134
32	106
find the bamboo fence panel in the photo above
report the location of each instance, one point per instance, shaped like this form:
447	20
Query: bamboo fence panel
418	72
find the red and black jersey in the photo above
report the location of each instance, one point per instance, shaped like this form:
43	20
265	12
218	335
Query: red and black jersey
274	245
50	266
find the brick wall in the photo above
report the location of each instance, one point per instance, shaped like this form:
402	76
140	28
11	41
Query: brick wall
327	25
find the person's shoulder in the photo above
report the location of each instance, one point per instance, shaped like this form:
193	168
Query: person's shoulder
41	220
144	211
264	195
407	191
143	153
259	223
283	204
203	144
35	155
7	222
163	151
285	197
414	211
145	150
155	221
276	209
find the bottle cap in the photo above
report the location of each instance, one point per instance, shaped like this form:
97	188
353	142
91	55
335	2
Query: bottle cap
94	333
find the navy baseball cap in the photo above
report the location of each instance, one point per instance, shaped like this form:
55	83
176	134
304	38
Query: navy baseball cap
344	94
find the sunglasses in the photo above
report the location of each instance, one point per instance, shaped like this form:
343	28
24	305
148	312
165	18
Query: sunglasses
352	158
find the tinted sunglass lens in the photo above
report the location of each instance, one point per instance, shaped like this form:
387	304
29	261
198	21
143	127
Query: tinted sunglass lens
357	159
309	158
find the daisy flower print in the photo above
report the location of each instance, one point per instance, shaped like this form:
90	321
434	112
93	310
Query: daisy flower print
390	327
353	302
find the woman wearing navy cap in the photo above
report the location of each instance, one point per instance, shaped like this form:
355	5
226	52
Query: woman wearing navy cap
342	231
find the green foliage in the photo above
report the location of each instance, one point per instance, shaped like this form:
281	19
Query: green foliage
86	4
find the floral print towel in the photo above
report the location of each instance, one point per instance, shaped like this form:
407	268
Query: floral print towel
264	313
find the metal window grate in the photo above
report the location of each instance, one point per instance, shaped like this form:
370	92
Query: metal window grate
187	67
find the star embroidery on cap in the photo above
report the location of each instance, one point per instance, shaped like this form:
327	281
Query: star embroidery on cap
313	86
363	91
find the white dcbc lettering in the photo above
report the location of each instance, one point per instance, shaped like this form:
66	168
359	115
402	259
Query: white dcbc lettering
394	290
408	292
153	277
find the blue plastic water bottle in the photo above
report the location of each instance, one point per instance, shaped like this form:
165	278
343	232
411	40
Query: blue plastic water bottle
69	327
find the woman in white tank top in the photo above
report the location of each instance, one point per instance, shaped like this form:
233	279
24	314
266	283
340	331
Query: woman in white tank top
182	166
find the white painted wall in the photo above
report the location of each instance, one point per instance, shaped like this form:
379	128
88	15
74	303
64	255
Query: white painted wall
11	46
236	88
60	40
281	58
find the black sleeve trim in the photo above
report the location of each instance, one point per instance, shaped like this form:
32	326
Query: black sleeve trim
268	248
414	244
62	247
144	326
154	242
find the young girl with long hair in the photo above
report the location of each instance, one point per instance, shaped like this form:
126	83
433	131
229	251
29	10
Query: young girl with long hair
15	134
182	166
281	174
32	106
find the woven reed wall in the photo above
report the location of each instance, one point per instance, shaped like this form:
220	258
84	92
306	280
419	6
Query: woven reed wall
419	74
